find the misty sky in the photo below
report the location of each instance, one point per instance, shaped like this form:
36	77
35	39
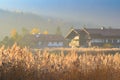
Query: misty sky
100	12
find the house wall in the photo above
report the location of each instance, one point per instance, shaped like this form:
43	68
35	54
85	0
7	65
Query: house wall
43	44
82	38
55	44
75	42
114	42
85	40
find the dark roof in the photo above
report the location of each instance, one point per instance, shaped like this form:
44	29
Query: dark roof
102	32
95	31
49	37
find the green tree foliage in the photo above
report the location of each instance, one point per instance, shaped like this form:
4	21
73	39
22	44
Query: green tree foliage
7	41
23	39
25	31
14	37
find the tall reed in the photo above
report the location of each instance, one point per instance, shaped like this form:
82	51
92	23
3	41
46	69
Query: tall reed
21	64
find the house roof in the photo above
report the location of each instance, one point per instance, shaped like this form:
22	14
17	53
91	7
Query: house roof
94	31
49	37
105	32
72	33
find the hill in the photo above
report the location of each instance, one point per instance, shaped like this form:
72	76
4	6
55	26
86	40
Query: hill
17	20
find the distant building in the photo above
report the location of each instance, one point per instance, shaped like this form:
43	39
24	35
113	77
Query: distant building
44	41
50	40
94	37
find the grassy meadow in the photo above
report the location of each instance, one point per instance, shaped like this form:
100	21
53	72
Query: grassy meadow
59	64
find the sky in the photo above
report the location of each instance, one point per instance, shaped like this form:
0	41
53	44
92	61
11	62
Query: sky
99	12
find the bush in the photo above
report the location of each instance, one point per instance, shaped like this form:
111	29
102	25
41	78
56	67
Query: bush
107	46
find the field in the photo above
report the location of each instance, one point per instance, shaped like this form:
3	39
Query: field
59	64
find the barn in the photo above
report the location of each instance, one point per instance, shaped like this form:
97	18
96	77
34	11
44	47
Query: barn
89	37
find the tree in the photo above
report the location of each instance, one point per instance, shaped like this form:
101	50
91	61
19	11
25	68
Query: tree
15	35
7	41
35	31
25	31
58	31
45	32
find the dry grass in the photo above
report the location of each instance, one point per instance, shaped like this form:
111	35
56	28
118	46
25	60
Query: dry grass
20	64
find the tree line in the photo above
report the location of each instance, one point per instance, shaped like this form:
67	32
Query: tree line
23	38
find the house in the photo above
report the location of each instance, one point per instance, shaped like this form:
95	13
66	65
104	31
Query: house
49	40
43	41
87	37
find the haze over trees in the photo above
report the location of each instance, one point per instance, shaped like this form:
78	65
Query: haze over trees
58	31
23	38
12	20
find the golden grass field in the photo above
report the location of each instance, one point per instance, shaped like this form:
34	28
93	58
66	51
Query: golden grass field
21	64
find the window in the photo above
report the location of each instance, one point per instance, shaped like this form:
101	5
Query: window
106	40
55	44
60	43
111	41
96	40
114	41
37	35
118	41
50	44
